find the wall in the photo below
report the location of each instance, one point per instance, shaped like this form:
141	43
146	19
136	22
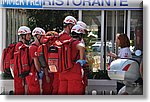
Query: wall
2	30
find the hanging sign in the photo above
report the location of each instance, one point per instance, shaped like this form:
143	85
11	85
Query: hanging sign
73	4
21	3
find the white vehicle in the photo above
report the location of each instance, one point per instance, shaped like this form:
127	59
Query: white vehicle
127	71
124	69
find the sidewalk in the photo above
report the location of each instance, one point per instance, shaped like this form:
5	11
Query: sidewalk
95	87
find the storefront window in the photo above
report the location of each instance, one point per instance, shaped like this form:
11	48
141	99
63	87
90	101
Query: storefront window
114	23
115	19
120	21
93	21
93	44
15	18
136	29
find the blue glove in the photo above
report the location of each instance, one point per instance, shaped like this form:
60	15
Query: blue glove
82	62
41	73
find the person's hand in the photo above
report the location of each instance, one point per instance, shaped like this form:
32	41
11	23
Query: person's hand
82	62
47	79
41	74
82	72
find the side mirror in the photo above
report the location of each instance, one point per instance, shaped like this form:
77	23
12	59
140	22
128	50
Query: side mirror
138	52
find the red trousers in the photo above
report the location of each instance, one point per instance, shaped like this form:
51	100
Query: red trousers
33	84
19	83
71	82
47	87
19	86
55	84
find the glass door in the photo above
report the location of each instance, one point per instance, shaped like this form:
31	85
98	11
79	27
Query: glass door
103	27
114	22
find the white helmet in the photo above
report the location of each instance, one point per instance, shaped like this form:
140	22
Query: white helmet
24	30
70	20
38	31
77	29
82	24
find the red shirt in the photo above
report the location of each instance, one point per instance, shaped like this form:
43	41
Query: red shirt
64	36
32	49
18	45
15	59
75	51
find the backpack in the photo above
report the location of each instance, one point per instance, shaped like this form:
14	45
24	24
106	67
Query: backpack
23	61
57	55
42	49
7	57
42	55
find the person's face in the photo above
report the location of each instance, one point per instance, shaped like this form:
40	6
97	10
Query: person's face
38	37
70	26
117	41
78	38
43	39
28	37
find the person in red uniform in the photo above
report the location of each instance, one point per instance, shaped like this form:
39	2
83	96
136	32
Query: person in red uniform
52	86
68	23
48	77
44	74
84	26
71	81
35	72
24	34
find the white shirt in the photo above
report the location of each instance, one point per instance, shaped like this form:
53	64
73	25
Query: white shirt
125	53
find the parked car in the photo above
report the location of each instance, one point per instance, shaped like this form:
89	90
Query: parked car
97	46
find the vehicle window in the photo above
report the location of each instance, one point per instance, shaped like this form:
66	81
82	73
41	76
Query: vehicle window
96	48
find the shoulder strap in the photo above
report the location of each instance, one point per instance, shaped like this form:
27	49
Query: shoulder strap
13	52
34	44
